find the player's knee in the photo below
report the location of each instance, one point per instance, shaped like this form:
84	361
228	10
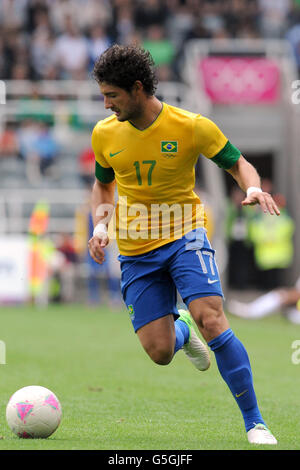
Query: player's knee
211	317
211	323
160	354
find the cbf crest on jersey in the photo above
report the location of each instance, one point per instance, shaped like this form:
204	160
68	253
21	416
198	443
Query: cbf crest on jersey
131	311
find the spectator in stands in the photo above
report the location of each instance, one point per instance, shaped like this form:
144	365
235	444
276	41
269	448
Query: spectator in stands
273	17
59	11
122	26
9	146
2	58
247	30
240	250
212	19
33	9
66	276
46	147
27	134
90	12
13	14
98	42
109	271
241	18
160	47
293	36
35	107
71	52
100	279
87	167
84	13
135	38
20	71
42	54
15	52
198	31
152	12
38	148
42	41
273	244
48	39
165	73
181	21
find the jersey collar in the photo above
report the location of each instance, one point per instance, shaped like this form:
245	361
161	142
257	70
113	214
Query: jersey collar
152	126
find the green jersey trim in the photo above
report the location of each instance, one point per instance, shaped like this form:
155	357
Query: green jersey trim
227	157
105	175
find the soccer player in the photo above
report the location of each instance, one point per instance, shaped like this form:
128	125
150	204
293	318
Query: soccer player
149	149
285	299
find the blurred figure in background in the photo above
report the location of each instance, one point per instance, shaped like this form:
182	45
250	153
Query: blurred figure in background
206	200
152	12
71	51
46	148
51	277
84	13
67	268
122	26
102	281
38	149
86	163
42	43
27	135
9	145
160	48
273	244
13	13
35	106
41	254
97	43
285	300
273	17
293	36
240	252
109	271
31	27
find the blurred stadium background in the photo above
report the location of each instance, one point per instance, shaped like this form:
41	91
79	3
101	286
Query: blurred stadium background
234	61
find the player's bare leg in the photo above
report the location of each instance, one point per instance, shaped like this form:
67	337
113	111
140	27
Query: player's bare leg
163	337
158	339
209	316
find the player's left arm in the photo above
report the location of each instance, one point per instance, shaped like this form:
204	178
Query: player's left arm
212	143
248	180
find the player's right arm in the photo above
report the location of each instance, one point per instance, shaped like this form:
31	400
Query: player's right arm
102	199
102	202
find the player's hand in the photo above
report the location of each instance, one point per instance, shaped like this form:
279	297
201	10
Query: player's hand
265	200
96	247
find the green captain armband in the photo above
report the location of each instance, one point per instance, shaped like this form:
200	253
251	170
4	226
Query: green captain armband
105	175
227	157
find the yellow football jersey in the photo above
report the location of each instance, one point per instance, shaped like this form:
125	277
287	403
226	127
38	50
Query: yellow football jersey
154	170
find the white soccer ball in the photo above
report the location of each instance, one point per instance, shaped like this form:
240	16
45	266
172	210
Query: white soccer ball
33	412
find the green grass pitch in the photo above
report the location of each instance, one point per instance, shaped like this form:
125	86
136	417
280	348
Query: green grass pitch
115	398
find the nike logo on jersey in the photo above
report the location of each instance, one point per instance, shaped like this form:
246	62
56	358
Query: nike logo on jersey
116	153
211	281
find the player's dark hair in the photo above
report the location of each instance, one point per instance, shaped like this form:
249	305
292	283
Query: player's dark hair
123	65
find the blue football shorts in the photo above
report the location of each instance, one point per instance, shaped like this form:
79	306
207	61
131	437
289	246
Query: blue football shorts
150	281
